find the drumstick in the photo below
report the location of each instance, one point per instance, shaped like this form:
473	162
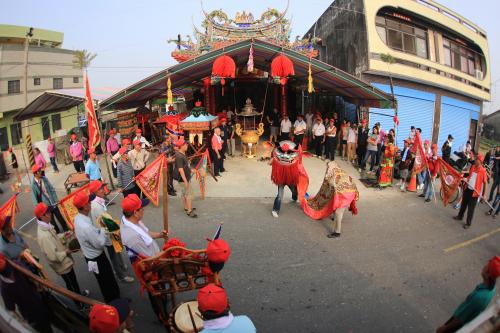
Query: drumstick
192	319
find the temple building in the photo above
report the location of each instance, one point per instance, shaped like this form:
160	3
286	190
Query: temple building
438	62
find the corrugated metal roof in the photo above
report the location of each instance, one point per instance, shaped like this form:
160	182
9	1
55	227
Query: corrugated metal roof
325	76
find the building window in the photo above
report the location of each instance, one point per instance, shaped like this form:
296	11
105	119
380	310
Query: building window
36	81
462	58
403	37
14	87
45	127
15	134
76	79
56	122
57	83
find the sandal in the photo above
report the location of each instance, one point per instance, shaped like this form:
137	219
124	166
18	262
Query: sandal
191	214
191	209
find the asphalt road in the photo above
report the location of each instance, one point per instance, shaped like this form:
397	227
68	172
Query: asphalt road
388	272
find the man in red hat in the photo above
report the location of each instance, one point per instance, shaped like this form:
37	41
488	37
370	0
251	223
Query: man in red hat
217	317
98	207
216	144
112	318
92	168
430	174
112	147
477	182
51	150
218	252
125	173
138	156
93	241
18	291
43	191
143	141
477	301
76	152
182	173
51	244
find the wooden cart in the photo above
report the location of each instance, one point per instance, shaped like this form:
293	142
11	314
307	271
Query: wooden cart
74	180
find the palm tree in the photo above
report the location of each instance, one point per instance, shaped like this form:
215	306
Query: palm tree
83	58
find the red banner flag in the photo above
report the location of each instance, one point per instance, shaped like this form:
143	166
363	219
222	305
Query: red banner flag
420	163
450	180
67	208
149	179
93	126
10	208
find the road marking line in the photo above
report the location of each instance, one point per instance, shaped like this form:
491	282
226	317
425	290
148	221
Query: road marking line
471	241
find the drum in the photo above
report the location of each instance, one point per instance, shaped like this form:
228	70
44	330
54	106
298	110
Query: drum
181	319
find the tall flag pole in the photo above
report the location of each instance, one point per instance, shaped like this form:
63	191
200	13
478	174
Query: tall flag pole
93	126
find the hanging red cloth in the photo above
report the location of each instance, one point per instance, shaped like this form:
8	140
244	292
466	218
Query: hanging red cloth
224	67
282	66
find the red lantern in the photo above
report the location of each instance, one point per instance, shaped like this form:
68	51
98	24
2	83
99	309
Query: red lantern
282	66
224	66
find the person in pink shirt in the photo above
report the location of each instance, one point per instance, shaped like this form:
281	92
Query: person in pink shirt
51	149
112	148
76	152
39	160
217	148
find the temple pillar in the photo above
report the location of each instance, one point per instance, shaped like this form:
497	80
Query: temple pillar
284	95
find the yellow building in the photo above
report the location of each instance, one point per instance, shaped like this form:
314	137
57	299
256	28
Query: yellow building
438	60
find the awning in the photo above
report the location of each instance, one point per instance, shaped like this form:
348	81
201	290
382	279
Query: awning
59	100
326	77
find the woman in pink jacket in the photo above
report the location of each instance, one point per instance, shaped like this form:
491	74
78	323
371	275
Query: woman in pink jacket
39	160
51	149
76	152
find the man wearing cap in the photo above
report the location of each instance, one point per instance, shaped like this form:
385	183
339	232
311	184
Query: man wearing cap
112	318
218	252
11	243
92	168
76	152
97	208
446	149
477	301
299	129
18	291
138	136
51	244
112	148
93	241
216	144
139	157
217	317
476	189
43	191
182	170
135	235
430	174
125	173
51	150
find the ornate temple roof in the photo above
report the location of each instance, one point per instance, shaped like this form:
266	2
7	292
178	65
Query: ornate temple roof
219	31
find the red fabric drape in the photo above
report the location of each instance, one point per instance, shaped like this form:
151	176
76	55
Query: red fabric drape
282	66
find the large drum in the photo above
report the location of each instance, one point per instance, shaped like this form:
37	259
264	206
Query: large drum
181	321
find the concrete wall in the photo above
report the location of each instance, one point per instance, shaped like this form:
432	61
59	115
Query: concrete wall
344	39
44	63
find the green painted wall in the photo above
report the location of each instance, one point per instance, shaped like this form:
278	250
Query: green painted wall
16	31
68	121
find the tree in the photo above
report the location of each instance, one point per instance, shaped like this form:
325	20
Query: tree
83	58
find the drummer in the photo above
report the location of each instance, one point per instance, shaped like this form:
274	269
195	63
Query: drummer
51	244
217	317
115	317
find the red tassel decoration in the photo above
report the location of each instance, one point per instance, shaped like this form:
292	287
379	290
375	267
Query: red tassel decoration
224	66
223	83
282	66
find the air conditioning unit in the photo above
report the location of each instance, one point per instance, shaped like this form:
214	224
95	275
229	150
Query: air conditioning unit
479	74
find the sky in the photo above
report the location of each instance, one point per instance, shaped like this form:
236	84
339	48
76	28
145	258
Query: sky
130	37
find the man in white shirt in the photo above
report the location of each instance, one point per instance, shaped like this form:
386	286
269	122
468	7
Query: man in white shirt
285	127
138	136
92	241
98	207
135	235
318	132
138	157
299	129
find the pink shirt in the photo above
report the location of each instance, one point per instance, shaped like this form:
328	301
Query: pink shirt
76	151
112	145
40	161
51	149
216	143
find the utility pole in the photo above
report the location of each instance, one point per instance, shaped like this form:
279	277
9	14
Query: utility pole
29	34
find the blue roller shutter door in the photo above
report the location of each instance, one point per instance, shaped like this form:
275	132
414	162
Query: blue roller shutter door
415	108
455	120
